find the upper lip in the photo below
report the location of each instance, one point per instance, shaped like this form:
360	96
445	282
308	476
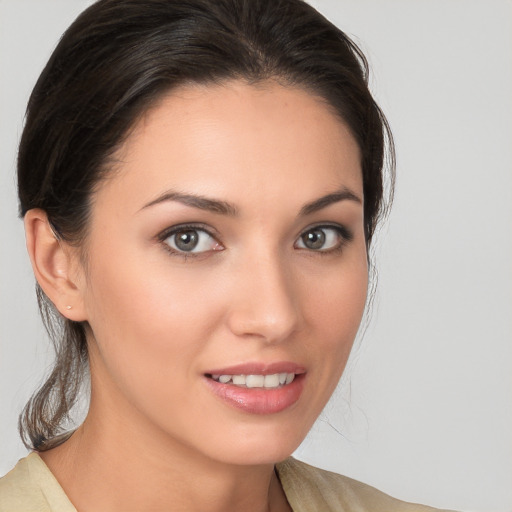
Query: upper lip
257	368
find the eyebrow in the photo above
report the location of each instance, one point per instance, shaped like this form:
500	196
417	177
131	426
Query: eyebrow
196	201
225	208
344	194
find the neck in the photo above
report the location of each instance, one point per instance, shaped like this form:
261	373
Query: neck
117	466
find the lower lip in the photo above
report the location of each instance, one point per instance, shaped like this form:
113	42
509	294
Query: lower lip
259	400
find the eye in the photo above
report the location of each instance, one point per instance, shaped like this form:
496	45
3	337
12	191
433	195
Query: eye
193	240
323	238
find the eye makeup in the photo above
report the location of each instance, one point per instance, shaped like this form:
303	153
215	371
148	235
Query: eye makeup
182	240
197	240
324	239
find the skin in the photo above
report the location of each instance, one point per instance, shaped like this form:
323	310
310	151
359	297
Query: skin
155	435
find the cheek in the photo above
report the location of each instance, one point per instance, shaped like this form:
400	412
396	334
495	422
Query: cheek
146	316
335	310
151	327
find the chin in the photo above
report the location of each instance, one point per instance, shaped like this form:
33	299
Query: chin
260	445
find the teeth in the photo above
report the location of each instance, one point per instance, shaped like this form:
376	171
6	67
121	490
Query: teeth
239	380
256	381
271	381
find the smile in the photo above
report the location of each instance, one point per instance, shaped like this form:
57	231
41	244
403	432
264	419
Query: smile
273	381
257	388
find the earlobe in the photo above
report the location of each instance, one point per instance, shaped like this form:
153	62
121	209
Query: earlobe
53	265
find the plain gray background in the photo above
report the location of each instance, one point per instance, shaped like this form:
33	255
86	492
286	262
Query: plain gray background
426	411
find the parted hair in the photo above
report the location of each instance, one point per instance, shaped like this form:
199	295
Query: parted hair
116	60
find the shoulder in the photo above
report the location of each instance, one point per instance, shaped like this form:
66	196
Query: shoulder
312	489
31	487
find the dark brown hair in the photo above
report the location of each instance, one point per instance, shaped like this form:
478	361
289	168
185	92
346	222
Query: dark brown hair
112	64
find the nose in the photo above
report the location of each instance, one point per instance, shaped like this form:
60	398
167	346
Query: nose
265	303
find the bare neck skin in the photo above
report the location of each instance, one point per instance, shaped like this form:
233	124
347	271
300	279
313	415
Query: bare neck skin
109	465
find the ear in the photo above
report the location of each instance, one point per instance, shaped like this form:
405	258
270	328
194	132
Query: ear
56	266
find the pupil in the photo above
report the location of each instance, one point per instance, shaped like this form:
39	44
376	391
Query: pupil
186	240
314	239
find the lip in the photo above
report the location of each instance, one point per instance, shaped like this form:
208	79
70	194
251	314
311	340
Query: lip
258	400
255	368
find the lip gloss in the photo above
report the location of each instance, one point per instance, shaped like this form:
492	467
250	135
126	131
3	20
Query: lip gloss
258	400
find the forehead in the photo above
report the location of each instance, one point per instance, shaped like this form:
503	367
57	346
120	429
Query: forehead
219	139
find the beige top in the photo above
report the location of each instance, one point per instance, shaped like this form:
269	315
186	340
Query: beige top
31	487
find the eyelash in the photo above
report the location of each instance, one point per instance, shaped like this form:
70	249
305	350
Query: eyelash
164	235
344	234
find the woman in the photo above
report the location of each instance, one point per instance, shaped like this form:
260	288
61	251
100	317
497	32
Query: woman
200	183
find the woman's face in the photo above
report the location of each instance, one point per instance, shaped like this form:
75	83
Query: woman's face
226	255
